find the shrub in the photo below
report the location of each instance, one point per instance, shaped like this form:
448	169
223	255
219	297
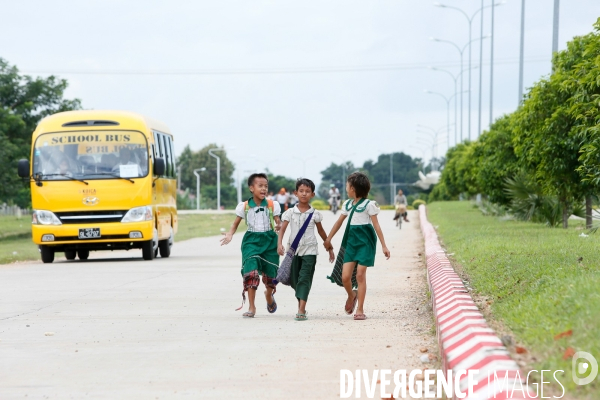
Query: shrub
417	203
319	204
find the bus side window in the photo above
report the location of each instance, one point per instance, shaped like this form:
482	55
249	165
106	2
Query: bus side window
173	166
156	145
168	158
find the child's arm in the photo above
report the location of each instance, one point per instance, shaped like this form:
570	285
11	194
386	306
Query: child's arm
380	236
277	223
322	233
229	235
336	227
280	248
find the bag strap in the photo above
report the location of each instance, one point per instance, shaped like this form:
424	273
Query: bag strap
301	232
344	240
271	212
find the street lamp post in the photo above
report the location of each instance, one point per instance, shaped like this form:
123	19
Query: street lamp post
344	161
456	93
218	175
521	51
196	172
470	21
555	27
461	51
304	160
447	100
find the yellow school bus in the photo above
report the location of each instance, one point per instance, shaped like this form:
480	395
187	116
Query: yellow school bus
102	180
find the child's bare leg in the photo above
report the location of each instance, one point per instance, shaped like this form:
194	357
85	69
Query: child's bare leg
251	298
347	270
361	279
301	307
269	295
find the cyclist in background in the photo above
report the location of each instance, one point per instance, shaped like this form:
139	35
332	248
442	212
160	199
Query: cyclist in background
334	198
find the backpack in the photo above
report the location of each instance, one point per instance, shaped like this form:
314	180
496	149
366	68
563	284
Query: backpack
271	212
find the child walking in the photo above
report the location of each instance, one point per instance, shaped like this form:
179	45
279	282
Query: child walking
305	258
259	246
360	241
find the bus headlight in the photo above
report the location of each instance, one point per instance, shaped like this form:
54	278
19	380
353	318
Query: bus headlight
138	214
43	217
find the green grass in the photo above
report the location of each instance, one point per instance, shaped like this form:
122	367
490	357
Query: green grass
532	273
202	225
16	244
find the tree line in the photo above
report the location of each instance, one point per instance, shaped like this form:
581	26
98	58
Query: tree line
543	160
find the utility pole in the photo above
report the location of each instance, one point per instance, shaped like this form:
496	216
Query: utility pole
391	178
522	51
218	176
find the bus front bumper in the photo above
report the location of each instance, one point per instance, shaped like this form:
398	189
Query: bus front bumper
114	235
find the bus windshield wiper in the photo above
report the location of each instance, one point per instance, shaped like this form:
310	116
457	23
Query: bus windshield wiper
113	174
65	176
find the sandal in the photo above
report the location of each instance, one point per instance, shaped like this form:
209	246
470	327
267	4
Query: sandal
271	308
353	304
248	314
360	317
301	317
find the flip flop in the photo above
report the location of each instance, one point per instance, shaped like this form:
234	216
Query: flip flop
353	304
360	317
248	314
301	317
271	308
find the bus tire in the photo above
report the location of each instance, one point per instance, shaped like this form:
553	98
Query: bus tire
70	254
164	248
147	250
83	254
47	254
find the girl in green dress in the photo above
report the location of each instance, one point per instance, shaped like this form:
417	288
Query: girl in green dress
361	240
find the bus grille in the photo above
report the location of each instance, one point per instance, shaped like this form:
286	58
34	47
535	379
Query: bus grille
90	217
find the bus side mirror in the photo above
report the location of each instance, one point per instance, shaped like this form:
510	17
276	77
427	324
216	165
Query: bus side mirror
23	168
159	167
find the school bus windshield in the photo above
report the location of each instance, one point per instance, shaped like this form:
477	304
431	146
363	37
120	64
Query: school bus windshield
90	155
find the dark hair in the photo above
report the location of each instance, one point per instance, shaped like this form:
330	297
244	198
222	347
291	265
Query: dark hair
254	176
305	182
361	184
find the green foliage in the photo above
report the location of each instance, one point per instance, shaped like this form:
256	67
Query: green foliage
24	101
440	193
496	160
460	173
417	203
319	204
276	182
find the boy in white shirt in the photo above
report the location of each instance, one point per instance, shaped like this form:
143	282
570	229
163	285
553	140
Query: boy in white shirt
259	246
305	259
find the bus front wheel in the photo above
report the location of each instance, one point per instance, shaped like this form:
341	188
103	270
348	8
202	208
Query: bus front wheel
147	250
47	254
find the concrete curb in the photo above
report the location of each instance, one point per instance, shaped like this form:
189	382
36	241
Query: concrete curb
466	342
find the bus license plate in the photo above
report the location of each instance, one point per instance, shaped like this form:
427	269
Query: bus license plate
89	233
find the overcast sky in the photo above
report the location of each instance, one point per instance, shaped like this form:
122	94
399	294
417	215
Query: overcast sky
279	81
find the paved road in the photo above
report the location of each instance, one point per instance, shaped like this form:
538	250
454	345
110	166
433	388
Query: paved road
126	329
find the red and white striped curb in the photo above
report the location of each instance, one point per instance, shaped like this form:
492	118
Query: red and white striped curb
465	340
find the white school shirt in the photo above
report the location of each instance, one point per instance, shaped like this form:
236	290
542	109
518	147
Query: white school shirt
258	221
308	244
360	218
282	198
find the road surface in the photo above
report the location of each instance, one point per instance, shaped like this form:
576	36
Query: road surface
122	328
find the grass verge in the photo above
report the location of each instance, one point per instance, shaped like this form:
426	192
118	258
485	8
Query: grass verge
16	244
540	282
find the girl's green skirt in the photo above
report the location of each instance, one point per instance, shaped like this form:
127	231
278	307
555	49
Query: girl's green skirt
361	245
259	252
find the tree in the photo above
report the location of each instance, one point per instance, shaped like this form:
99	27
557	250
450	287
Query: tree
337	175
497	160
24	101
460	172
405	171
547	139
189	160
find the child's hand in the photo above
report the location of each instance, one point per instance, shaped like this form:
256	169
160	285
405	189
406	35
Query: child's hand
226	239
281	250
331	256
327	245
386	252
